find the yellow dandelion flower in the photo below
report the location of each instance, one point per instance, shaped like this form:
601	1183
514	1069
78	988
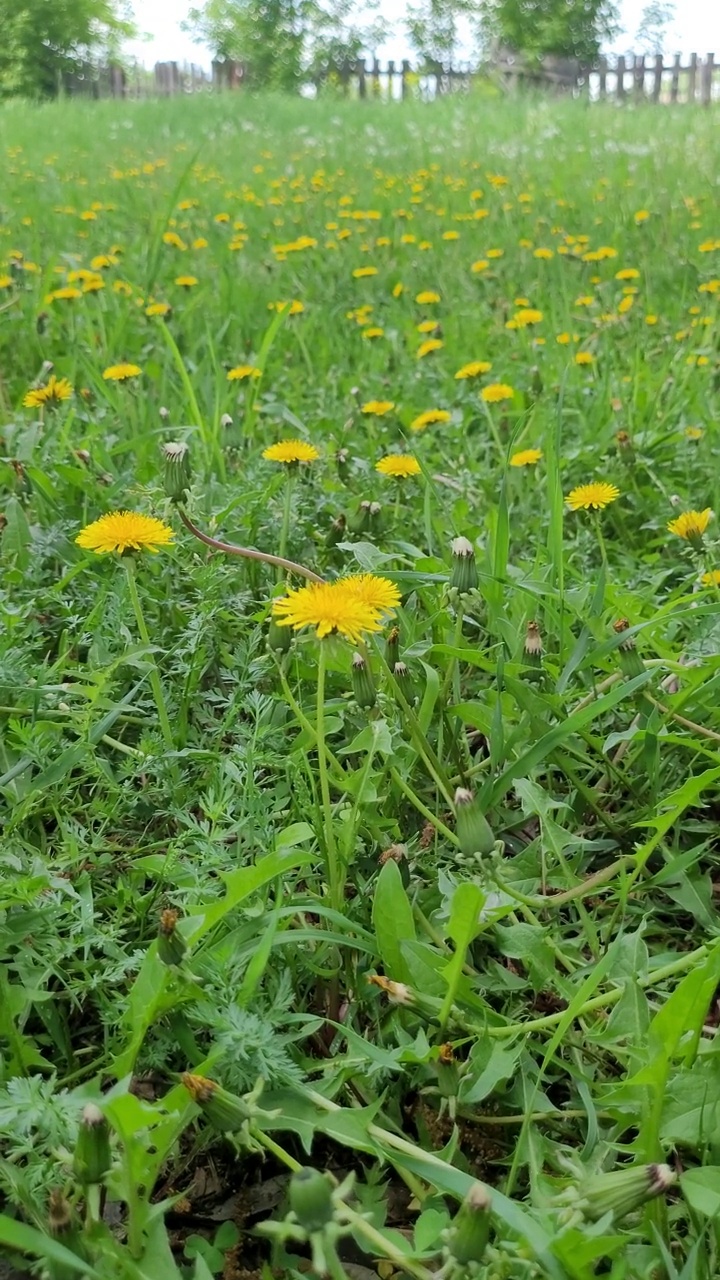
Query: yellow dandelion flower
427	326
451	235
186	282
243	371
374	331
592	497
495	392
563	339
361	273
330	607
625	303
54	391
628	273
427	347
398	465
495	253
67	294
585	300
691	525
542	253
426	297
377	593
378	407
526	458
642	215
123	531
584	357
293	307
474	369
290	451
651	318
482	264
158	309
201	243
694	433
398	289
428	418
711	578
172	238
121	372
526	316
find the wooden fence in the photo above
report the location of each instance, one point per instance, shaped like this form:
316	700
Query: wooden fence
627	78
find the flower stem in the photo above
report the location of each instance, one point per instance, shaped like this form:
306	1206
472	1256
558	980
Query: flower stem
285	528
331	852
145	637
249	553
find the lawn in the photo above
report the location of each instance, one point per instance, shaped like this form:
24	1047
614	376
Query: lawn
360	782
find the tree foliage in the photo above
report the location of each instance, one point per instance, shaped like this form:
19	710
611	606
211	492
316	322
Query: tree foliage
564	28
44	40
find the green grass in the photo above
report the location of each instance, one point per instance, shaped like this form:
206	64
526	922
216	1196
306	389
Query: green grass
157	754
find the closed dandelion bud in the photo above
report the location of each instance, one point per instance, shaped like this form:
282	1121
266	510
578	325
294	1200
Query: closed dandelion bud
374	516
464	575
279	638
469	1233
533	649
225	1111
403	680
342	462
400	993
41	323
91	1159
392	647
625	447
360	520
176	455
363	683
171	944
536	381
447	1072
395	853
310	1196
623	1190
226	420
164	412
60	1215
473	830
336	532
631	664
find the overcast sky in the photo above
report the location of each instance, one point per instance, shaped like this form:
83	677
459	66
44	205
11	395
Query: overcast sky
698	30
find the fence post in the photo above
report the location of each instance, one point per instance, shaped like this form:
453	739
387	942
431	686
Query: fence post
692	78
657	78
675	81
375	79
360	73
706	79
620	87
639	75
390	78
602	77
404	82
437	71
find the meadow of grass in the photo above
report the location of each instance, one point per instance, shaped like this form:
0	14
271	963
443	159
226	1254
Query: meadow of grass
427	904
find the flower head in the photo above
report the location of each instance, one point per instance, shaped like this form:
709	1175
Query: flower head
242	371
593	496
711	578
124	531
526	458
495	392
378	407
584	357
158	309
376	592
55	390
691	525
426	297
399	465
474	369
121	372
428	346
361	273
290	451
186	282
429	417
334	607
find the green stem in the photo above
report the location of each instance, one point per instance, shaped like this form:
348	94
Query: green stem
331	853
417	737
249	553
285	528
422	808
145	637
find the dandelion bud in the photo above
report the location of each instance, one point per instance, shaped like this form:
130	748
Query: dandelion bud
536	381
225	1111
473	830
83	456
47	367
336	532
447	1071
428	1007
532	648
171	944
625	447
41	323
623	1190
469	1233
464	575
226	420
392	647
363	683
394	853
60	1214
177	470
374	515
164	412
342	462
631	664
91	1159
403	680
279	638
360	520
310	1195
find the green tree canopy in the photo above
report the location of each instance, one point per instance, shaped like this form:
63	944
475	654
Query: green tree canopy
565	28
43	40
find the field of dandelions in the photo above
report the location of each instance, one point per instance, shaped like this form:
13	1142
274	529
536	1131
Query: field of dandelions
360	706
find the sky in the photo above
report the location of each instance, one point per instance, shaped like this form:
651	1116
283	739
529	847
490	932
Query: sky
698	31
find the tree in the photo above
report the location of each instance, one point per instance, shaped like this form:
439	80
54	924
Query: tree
433	28
564	28
652	28
45	40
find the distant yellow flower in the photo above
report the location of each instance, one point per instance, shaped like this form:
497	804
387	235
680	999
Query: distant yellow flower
398	465
642	215
293	308
428	418
186	282
592	497
6	282
360	273
628	273
426	297
691	525
398	289
242	371
378	407
124	531
542	253
102	261
427	326
526	458
373	331
121	372
68	293
584	357
172	238
55	390
451	235
495	392
375	592
524	317
474	369
625	304
428	346
651	319
482	264
585	300
495	253
330	607
290	451
158	309
694	433
711	579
